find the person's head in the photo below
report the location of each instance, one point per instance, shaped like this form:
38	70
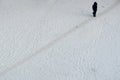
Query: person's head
95	3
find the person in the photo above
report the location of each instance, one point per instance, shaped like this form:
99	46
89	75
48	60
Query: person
94	7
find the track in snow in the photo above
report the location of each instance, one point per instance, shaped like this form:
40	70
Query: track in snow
57	39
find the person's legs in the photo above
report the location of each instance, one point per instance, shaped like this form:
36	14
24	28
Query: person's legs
94	14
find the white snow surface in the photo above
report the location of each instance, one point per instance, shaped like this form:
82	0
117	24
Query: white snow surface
59	40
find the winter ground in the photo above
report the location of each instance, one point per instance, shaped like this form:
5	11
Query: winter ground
59	40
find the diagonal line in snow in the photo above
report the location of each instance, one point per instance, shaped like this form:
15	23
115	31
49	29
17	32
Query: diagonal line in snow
109	8
56	40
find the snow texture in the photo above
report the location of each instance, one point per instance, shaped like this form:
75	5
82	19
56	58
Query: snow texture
59	40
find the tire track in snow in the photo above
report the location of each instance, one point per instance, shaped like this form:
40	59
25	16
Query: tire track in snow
56	40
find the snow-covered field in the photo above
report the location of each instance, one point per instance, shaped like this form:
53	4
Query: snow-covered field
59	40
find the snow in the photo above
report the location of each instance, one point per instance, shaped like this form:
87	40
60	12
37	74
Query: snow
59	40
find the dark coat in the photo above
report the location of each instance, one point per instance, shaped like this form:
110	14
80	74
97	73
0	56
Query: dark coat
94	7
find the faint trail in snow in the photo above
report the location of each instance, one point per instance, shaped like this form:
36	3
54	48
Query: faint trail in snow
57	39
92	65
109	8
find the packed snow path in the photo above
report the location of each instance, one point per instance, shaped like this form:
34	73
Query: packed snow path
60	38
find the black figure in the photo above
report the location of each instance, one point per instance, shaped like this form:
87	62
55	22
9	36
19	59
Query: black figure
94	7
